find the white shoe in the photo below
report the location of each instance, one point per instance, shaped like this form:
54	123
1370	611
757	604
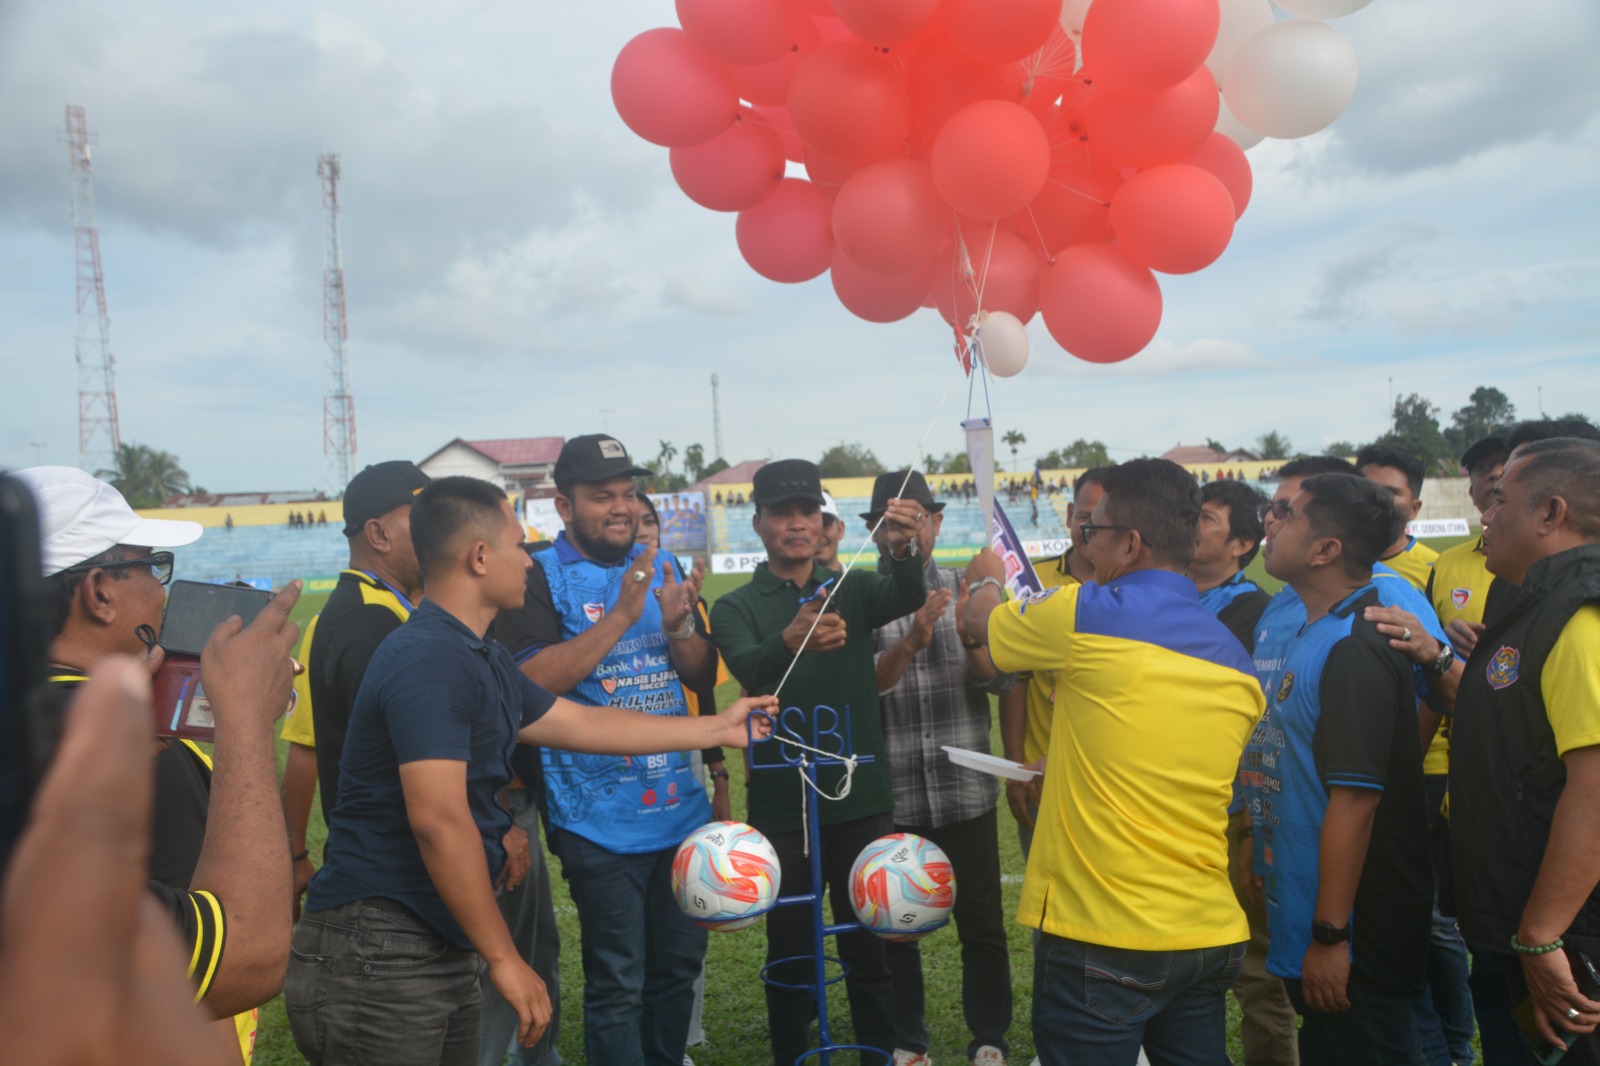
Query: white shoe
989	1055
911	1058
687	1061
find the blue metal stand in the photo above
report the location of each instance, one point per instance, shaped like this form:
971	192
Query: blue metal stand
820	928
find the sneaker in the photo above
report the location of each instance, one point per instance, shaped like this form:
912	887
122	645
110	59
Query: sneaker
911	1058
989	1055
687	1061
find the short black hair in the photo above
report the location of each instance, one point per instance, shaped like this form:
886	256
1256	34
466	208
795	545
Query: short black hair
448	507
1568	467
1360	513
1244	503
1160	499
60	587
1549	429
1312	465
1395	459
647	503
1095	475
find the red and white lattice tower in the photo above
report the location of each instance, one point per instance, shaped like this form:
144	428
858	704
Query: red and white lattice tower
339	405
98	434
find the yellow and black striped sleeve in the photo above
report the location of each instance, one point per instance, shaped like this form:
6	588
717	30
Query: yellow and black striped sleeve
204	927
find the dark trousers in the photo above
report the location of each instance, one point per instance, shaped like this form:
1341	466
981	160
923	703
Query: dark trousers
1585	1050
1444	1011
371	982
973	847
1498	1036
529	911
1378	1030
868	985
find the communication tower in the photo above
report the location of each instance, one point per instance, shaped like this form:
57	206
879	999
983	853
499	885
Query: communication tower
99	437
339	404
716	420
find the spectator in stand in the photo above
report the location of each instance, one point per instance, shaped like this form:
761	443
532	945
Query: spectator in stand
832	535
1400	473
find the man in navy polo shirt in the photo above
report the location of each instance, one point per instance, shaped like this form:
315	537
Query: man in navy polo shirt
604	623
385	960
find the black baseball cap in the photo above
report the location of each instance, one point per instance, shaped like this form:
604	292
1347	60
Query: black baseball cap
888	487
593	457
379	489
786	479
1481	450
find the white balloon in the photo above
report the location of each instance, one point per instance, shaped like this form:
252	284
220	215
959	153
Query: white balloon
1245	137
1005	343
1291	79
1322	9
1073	12
1241	20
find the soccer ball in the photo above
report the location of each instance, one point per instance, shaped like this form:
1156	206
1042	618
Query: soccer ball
902	887
725	876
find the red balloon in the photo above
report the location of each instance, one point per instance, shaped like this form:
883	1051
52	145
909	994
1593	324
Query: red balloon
820	8
1048	72
1099	304
1176	219
880	22
1226	161
879	297
768	83
788	236
990	159
1145	131
888	217
734	170
1144	46
1075	204
827	173
1001	31
777	119
670	92
1004	269
740	31
846	102
941	79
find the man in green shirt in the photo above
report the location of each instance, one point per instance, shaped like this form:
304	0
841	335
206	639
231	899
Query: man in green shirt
759	630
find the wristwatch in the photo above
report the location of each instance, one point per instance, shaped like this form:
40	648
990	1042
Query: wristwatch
1328	933
911	552
1440	666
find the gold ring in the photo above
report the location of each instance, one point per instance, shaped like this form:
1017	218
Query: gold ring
296	667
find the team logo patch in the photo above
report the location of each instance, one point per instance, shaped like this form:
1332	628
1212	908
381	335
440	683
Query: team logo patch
594	612
1502	669
609	684
1031	598
1459	597
1286	686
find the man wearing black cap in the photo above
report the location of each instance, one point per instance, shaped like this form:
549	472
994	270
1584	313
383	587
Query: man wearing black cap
935	685
603	624
778	619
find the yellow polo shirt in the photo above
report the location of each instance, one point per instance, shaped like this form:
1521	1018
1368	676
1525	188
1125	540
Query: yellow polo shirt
1414	562
1457	587
1042	683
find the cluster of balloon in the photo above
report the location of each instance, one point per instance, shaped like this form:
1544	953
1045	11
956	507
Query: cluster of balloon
992	159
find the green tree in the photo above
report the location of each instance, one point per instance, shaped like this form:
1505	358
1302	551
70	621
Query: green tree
1416	430
849	460
954	463
1216	445
1487	409
668	452
1079	455
694	462
716	466
1013	438
1273	445
1341	449
145	476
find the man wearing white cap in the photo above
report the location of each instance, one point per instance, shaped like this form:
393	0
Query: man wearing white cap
220	858
832	534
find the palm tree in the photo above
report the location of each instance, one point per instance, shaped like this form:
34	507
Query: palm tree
1274	445
666	455
145	476
1013	437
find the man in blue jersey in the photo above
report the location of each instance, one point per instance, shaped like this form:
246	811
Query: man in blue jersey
1333	781
604	624
1400	474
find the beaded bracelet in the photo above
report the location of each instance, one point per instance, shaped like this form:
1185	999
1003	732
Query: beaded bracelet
1523	949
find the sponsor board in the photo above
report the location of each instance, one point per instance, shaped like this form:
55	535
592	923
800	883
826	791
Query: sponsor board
1439	527
952	555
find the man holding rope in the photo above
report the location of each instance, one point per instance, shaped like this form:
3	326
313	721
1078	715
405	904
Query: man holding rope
807	631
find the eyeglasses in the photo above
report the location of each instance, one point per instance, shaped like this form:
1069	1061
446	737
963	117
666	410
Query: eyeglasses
1277	510
1089	529
160	565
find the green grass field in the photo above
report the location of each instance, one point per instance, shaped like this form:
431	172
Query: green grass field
735	1010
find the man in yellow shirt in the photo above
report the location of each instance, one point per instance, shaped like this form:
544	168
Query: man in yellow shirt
1128	884
1401	473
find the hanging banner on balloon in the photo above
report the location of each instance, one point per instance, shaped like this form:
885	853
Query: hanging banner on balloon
1021	579
980	456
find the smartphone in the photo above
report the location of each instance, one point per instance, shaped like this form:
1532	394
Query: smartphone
194	610
27	736
1544	1052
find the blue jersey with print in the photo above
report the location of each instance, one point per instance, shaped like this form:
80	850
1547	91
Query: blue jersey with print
625	804
1217	599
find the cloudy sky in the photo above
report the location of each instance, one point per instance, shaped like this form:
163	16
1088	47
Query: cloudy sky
520	264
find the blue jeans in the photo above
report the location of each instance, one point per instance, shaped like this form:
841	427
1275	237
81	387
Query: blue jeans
1444	1011
1095	1004
1378	1030
640	954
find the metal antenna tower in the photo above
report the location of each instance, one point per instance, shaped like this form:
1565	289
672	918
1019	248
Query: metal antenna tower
99	437
339	405
716	419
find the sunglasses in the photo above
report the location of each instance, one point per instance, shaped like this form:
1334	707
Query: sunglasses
1277	510
160	565
1090	529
